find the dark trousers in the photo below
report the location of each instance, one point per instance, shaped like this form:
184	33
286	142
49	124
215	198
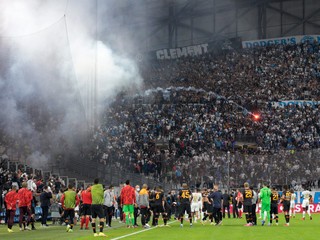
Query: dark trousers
135	215
121	213
226	207
144	215
10	215
217	214
108	212
235	210
24	211
44	216
254	215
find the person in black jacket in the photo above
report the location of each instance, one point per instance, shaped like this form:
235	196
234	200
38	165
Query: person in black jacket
226	204
45	197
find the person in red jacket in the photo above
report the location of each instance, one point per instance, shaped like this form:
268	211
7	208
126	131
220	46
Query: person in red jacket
11	199
85	208
25	198
128	199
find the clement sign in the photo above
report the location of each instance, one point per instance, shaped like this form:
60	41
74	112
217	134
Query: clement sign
174	53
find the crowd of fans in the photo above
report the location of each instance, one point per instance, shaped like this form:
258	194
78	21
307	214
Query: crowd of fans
200	105
196	109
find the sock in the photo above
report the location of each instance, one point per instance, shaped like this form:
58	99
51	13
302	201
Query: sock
250	218
190	218
165	221
87	220
277	218
287	218
247	217
262	216
205	217
82	222
181	220
71	226
290	212
93	227
127	219
101	226
268	216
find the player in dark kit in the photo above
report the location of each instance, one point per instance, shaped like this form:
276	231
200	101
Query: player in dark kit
158	205
185	197
207	206
285	199
247	204
274	205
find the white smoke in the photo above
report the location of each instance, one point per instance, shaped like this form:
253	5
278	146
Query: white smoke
51	56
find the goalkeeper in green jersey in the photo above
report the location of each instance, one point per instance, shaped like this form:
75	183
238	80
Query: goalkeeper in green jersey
265	197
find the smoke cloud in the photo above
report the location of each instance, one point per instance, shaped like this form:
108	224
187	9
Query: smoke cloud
51	57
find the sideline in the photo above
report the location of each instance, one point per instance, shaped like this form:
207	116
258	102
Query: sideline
134	233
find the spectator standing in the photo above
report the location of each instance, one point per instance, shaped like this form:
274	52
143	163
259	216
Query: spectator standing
45	198
226	204
108	204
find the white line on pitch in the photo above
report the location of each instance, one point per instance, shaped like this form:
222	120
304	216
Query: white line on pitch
134	233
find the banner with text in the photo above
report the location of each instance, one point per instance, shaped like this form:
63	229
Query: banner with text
295	102
197	49
280	41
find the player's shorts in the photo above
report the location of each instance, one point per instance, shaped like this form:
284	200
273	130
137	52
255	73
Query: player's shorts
286	206
185	207
247	208
195	207
265	207
97	211
209	208
85	210
205	207
305	203
239	206
292	204
129	208
158	208
274	209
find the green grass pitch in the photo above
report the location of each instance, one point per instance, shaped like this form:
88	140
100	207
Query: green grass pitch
230	229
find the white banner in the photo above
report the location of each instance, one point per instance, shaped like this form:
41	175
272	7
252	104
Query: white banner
280	41
174	53
295	102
